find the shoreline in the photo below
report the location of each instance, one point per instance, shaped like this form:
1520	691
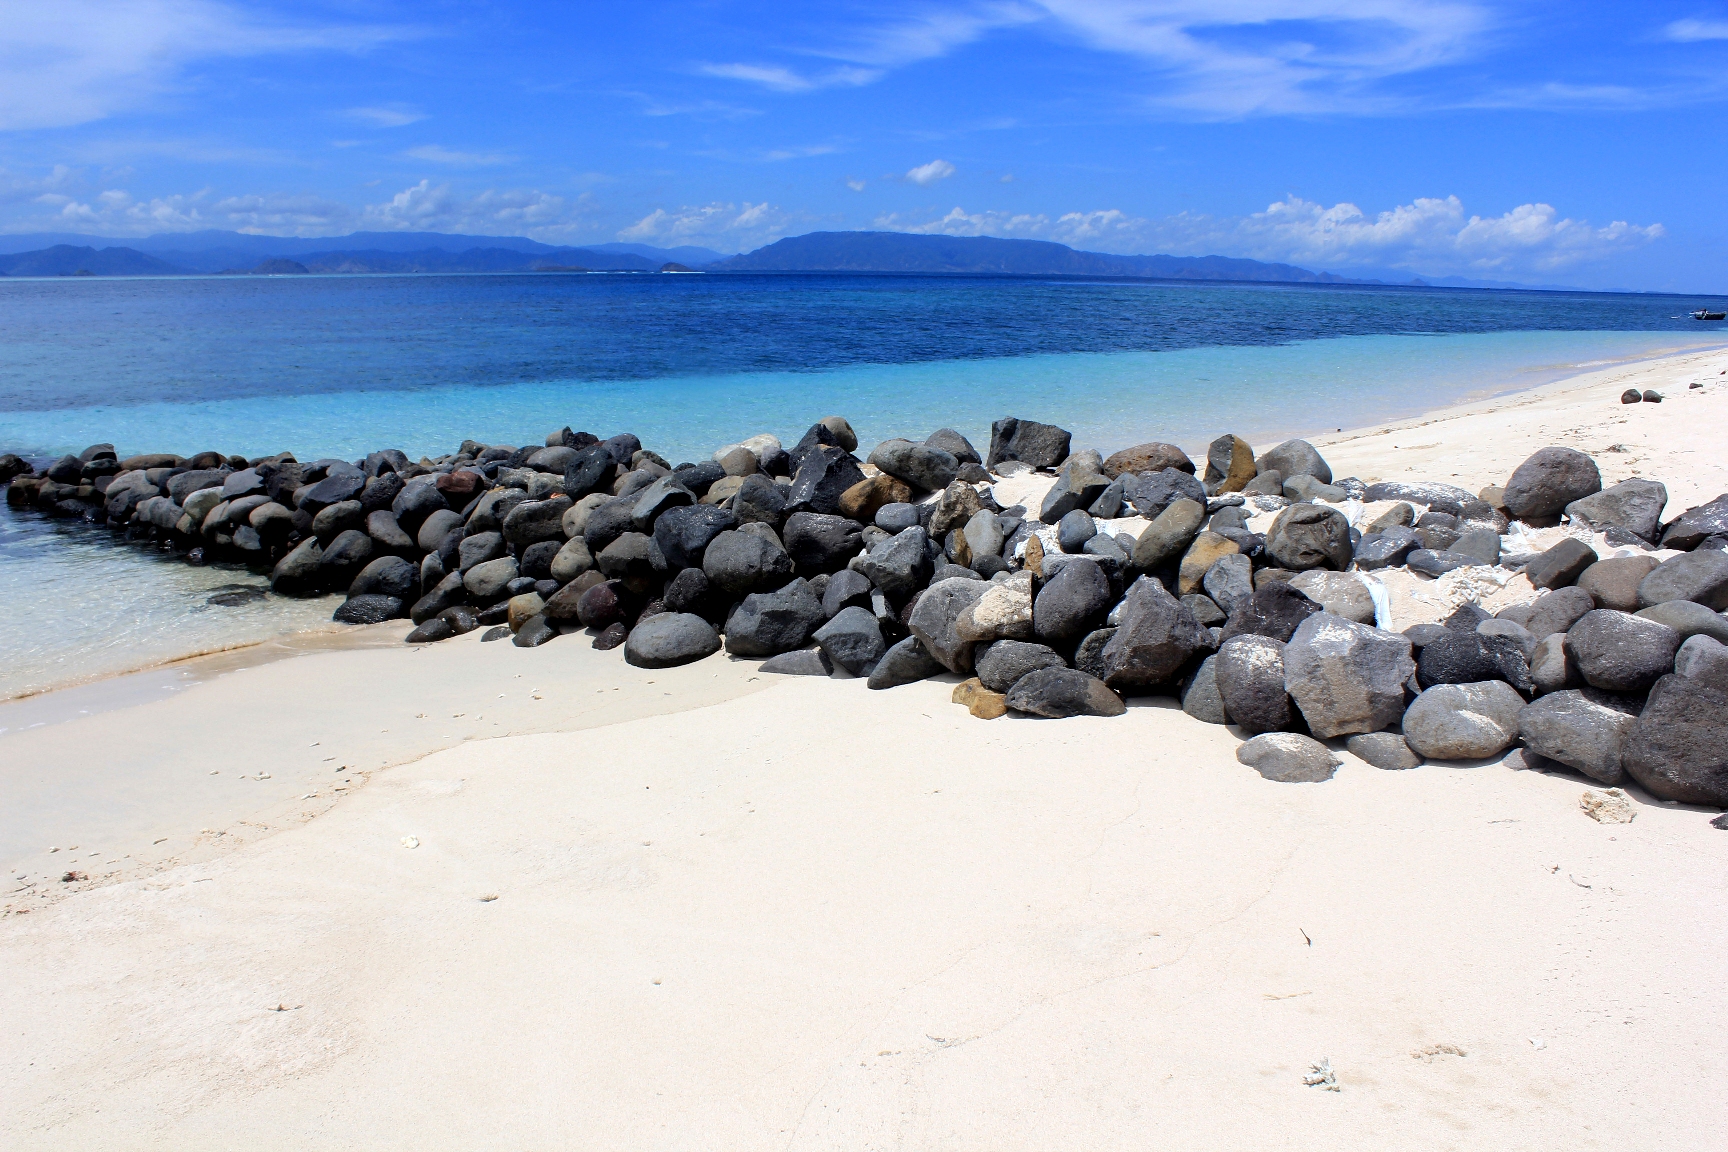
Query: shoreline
1490	402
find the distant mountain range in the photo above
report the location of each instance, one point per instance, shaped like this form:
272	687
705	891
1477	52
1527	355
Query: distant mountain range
182	253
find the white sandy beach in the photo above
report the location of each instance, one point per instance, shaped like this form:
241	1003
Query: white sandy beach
711	908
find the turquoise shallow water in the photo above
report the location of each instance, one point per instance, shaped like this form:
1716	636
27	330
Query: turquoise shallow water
343	366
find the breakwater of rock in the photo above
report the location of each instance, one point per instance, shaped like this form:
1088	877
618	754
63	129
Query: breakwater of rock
1236	584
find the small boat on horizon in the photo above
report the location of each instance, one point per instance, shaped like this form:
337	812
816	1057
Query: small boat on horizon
1706	314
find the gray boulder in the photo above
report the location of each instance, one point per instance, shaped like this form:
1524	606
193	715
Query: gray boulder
369	608
1561	565
1152	492
1074	529
1003	663
847	588
760	501
1081	481
668	639
821	543
1276	610
1309	536
801	661
1701	577
1613	583
1346	677
1583	729
665	493
1482	543
535	520
1633	506
684	533
1155	637
1200	696
1678	747
1432	563
900	565
1387	549
1089	653
1072	604
479	548
893	518
768	623
1339	593
381	525
1465	657
1249	671
739	563
1704	659
1230	583
1058	693
934	618
923	466
486	582
1039	445
387	576
1550	668
1548	481
1165	539
1289	758
905	663
296	574
1463	721
984	535
852	639
1687	618
956	445
1555	612
435	527
1385	750
1617	652
572	560
1295	458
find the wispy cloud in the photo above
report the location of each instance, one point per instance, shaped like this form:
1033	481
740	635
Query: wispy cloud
1690	31
392	116
438	154
926	174
779	79
1431	236
731	226
74	61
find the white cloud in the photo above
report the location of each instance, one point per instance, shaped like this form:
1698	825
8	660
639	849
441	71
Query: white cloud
438	154
785	80
855	185
73	61
721	225
926	174
1688	31
1429	236
392	116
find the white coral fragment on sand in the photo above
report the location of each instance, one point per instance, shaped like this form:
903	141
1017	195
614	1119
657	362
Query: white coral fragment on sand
1610	807
1321	1075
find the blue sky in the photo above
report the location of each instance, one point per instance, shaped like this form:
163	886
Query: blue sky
1576	143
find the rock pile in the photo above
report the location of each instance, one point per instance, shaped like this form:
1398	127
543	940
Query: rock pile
905	566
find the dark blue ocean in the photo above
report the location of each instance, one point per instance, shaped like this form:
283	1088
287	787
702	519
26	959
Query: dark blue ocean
341	365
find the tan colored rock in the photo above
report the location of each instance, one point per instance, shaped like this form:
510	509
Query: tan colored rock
723	489
958	503
1229	464
1002	613
864	499
1151	457
979	700
523	608
1208	548
1033	558
1608	807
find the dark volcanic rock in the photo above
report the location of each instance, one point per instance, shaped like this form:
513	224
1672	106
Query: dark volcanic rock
1561	565
1583	729
852	639
768	623
821	543
904	663
1387	549
1550	480
1080	482
899	565
1447	498
1678	747
1250	675
1057	693
446	594
1310	536
955	445
479	548
1200	696
1461	657
1688	619
1072	604
739	563
847	589
535	520
1275	610
1040	445
1150	493
600	605
1698	524
1165	539
1295	458
1003	663
1701	577
760	501
1089	653
1634	506
1621	653
823	477
923	466
296	574
369	608
1289	758
328	491
387	576
1555	612
1155	637
935	617
1432	563
535	631
610	637
665	493
669	639
431	632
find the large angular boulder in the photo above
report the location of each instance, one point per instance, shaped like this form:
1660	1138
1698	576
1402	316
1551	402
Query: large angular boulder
668	639
1309	536
1701	577
1617	652
1463	721
1154	456
899	565
739	563
535	520
955	445
684	533
1152	492
1551	479
1275	609
822	478
1613	583
1156	635
1229	464
1633	506
1466	657
1678	747
1692	528
853	640
1561	565
1339	593
905	663
1295	458
1346	677
1071	604
1004	612
936	615
1081	481
768	623
1165	539
1057	693
1001	665
1249	671
1289	758
924	467
1230	583
1040	445
821	543
665	493
1584	729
